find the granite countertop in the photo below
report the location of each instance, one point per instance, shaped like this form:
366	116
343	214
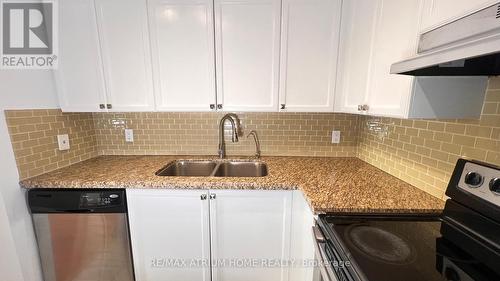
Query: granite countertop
329	184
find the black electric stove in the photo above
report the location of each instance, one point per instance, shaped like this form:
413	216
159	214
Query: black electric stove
462	243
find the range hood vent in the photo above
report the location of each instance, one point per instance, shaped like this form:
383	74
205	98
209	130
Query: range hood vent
487	65
469	46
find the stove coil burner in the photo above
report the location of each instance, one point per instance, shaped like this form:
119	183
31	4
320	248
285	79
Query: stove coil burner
379	244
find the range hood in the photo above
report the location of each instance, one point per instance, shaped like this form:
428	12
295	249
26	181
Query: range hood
469	46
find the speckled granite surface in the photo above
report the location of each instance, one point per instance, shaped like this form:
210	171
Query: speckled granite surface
329	184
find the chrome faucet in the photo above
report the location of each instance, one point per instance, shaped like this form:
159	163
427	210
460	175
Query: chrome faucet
257	142
235	130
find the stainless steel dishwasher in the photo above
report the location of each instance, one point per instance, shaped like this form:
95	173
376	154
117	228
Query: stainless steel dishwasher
82	234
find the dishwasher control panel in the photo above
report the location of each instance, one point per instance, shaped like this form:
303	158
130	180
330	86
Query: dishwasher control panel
83	200
100	199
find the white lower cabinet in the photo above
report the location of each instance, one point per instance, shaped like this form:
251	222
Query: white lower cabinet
251	230
168	228
301	240
219	235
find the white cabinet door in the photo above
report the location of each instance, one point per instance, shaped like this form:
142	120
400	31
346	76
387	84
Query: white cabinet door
79	75
374	35
437	12
301	241
124	39
356	40
248	226
395	39
309	48
182	36
168	227
247	35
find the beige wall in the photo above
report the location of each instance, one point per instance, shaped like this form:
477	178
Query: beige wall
424	152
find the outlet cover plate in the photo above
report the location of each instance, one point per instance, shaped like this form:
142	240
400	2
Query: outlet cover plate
63	142
129	135
335	136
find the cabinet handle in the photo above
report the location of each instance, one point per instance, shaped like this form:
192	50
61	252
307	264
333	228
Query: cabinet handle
283	106
109	106
363	107
102	106
212	106
219	106
203	197
212	196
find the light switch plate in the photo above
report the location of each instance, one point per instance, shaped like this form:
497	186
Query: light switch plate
63	142
129	135
335	136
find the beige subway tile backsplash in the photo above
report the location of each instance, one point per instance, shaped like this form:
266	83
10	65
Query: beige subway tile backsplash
294	134
34	133
428	161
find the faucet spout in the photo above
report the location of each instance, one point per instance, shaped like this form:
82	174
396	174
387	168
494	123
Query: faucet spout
257	142
234	120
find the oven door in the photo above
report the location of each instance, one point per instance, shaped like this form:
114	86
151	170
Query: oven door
324	270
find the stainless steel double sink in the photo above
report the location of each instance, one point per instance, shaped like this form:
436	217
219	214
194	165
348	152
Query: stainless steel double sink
214	168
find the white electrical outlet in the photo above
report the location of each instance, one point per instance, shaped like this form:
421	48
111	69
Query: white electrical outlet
129	135
335	136
63	142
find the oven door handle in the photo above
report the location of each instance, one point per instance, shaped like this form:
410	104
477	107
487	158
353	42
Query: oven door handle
322	261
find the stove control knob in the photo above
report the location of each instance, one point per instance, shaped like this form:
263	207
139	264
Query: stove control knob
495	186
451	274
473	179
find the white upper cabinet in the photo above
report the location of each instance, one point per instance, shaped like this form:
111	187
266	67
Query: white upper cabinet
356	39
437	12
79	76
250	224
309	48
256	55
395	39
182	41
247	40
104	60
377	33
169	225
124	38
